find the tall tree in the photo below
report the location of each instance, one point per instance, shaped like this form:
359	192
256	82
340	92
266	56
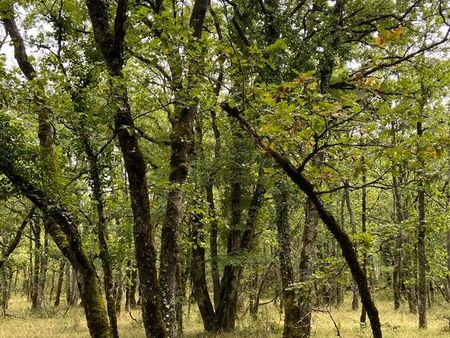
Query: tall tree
110	43
181	143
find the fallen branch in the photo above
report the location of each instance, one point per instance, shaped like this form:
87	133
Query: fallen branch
338	332
131	316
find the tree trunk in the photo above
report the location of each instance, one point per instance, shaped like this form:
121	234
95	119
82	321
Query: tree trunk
52	286
36	299
110	42
239	243
292	317
307	267
181	142
43	271
226	310
118	294
254	296
129	285
97	198
181	147
421	253
448	263
198	275
213	244
355	301
362	318
29	281
400	217
60	282
4	289
133	288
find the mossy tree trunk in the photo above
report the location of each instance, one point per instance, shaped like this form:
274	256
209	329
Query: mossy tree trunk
307	257
355	300
57	221
291	328
181	143
59	283
421	252
97	197
110	40
66	236
362	318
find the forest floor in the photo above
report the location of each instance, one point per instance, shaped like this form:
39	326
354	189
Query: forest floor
70	323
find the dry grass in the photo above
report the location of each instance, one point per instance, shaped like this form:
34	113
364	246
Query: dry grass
51	323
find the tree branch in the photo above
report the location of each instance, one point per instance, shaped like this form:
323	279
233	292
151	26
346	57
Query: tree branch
13	245
20	53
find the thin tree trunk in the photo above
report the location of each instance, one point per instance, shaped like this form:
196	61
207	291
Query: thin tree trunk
238	243
36	300
110	43
30	263
52	286
448	264
198	275
118	295
226	309
398	259
128	286
97	198
292	317
60	282
181	142
133	288
254	296
421	253
355	301
307	266
43	271
213	244
362	318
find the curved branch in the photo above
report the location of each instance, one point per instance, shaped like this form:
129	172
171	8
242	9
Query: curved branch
15	242
326	216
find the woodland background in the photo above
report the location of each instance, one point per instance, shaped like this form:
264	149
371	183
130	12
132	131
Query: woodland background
234	167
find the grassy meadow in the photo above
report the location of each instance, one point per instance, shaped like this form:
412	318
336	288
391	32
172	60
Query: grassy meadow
66	322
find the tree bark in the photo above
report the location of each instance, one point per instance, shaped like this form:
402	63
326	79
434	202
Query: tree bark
362	318
43	271
355	301
110	42
59	283
238	243
97	198
292	317
307	267
198	275
181	142
213	244
398	259
421	253
36	300
226	309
